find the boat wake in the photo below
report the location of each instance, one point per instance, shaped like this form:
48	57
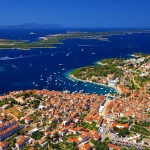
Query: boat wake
20	57
68	53
15	67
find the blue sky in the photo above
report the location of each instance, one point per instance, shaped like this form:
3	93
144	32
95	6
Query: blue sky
77	13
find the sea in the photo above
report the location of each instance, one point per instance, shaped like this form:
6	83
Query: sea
49	68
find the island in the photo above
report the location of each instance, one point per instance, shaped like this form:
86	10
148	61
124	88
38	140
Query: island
24	45
50	41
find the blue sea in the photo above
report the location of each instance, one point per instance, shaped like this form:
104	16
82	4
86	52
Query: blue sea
49	68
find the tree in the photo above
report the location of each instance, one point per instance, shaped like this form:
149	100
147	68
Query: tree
124	148
101	146
132	148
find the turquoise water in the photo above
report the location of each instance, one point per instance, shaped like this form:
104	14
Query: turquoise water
90	87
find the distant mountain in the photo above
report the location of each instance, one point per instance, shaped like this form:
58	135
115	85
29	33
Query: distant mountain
33	25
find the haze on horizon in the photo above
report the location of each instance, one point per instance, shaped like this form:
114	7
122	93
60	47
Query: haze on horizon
77	13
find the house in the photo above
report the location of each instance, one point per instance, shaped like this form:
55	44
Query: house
83	138
67	121
2	119
22	142
43	142
71	140
119	125
123	89
62	132
112	83
3	145
10	131
33	131
96	137
86	146
28	120
72	130
112	147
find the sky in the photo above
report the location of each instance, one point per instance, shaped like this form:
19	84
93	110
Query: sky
77	13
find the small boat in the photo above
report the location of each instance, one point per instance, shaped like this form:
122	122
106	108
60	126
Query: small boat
32	33
36	85
93	53
60	64
30	65
63	69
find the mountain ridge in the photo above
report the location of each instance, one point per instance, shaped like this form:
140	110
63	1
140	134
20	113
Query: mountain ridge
32	25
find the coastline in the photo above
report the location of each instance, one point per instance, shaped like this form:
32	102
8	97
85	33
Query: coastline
72	77
26	48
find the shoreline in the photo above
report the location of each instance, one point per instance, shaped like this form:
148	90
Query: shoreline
26	48
71	76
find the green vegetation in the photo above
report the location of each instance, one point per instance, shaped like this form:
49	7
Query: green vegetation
10	101
99	70
37	135
140	129
50	41
139	54
141	80
114	61
124	148
122	132
145	124
100	145
16	44
124	120
86	125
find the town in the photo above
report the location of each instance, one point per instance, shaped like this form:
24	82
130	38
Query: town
42	119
